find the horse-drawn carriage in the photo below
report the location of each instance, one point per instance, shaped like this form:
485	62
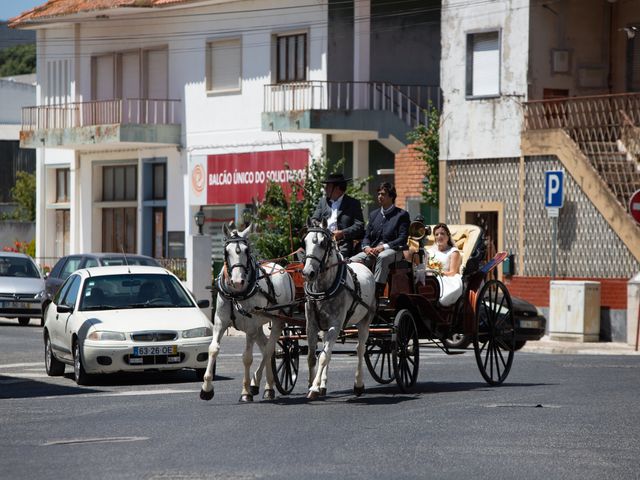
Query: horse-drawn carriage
411	316
343	306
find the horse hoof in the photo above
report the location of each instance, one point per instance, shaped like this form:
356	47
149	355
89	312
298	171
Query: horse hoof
246	398
254	390
358	390
312	395
206	395
323	392
269	394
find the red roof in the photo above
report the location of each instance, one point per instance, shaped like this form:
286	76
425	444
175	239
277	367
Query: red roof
60	8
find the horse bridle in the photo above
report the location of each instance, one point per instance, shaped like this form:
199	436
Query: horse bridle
238	240
325	243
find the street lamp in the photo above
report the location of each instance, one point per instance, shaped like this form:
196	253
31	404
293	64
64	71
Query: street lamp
199	218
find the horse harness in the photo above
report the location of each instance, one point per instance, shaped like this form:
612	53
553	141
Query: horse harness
253	283
340	281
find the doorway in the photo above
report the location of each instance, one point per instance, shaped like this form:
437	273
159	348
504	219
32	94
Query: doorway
488	216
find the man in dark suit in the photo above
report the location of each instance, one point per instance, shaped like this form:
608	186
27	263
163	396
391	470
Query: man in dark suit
385	237
342	212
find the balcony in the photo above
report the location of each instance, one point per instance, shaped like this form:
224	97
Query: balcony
384	111
102	124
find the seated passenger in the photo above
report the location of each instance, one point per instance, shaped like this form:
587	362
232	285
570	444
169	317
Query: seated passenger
385	237
446	256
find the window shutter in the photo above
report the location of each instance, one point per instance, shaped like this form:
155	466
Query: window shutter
486	64
225	64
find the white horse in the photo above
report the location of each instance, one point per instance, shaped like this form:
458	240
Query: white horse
244	289
337	294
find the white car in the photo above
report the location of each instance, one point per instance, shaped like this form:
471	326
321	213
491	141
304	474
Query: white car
125	319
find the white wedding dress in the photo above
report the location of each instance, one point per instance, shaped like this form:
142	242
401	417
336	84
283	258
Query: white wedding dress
450	287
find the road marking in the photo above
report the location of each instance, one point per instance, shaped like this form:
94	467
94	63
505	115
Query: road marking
75	441
19	365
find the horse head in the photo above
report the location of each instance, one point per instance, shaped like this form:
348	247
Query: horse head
317	246
237	255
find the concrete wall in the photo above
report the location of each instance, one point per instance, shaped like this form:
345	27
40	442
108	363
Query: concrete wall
11	231
483	128
14	96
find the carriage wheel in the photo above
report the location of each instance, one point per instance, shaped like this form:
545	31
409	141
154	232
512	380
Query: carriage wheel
284	364
494	339
406	351
377	356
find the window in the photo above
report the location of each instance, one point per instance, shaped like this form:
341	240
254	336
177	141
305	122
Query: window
62	185
119	229
63	226
119	183
633	60
224	65
483	64
158	187
291	58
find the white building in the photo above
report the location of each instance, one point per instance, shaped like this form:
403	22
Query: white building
145	107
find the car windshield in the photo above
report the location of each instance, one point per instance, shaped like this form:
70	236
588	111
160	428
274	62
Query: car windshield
128	291
18	267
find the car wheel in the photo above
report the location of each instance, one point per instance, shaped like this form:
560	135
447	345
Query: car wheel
458	340
519	344
54	367
79	375
23	321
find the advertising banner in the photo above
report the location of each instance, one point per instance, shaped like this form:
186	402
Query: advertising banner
241	177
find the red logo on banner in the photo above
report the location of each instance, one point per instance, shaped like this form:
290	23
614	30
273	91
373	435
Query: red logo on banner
241	177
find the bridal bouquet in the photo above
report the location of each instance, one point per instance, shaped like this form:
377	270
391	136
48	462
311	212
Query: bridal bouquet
434	264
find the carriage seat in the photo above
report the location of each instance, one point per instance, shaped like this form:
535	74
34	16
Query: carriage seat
466	237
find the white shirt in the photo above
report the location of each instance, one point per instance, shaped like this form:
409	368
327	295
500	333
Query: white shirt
332	222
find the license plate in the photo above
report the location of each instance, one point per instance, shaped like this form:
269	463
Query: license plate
529	323
15	304
155	350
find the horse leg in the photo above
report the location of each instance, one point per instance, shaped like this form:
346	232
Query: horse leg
219	327
247	360
330	338
363	335
312	344
256	378
267	354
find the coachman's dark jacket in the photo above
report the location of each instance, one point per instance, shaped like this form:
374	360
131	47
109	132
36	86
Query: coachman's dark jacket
391	228
350	221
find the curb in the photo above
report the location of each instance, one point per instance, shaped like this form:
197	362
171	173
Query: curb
545	345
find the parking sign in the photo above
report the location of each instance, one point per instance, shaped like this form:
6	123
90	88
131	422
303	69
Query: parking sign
553	188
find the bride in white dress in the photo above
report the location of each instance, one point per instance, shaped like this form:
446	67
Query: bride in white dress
446	258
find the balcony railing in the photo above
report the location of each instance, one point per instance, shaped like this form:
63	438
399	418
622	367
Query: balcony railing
407	102
142	111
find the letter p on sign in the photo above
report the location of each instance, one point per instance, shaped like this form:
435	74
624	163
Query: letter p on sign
553	188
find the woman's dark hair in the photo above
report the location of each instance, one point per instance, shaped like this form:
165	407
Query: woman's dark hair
446	229
390	189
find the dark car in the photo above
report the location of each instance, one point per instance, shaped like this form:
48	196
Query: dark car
530	325
69	264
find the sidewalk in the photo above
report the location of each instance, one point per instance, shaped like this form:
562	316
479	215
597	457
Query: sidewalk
546	345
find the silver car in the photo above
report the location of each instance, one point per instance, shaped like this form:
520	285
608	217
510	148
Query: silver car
21	288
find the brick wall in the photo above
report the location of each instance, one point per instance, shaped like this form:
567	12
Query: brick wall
613	291
409	172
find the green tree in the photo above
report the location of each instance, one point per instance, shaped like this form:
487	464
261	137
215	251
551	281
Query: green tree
18	60
281	217
24	194
427	140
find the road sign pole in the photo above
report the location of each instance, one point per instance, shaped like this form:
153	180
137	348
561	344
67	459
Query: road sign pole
554	245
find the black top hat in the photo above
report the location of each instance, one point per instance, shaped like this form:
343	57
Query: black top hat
336	178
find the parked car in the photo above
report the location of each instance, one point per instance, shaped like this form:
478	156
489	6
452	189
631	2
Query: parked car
69	264
530	325
22	289
125	319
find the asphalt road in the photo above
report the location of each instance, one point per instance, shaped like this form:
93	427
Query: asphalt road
557	416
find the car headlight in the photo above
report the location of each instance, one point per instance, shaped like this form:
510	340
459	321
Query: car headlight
99	335
197	332
40	295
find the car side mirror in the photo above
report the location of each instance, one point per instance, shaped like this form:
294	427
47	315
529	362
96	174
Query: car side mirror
64	309
46	275
203	304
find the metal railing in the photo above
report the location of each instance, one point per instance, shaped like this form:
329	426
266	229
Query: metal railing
407	102
597	124
143	111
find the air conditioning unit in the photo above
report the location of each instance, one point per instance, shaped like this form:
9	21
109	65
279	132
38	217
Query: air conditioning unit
574	311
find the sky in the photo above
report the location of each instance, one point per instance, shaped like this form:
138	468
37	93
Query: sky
13	8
